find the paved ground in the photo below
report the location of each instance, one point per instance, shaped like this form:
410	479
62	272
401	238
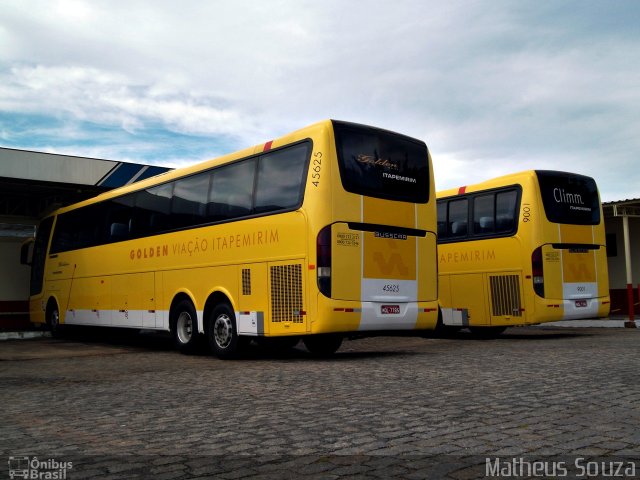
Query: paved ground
381	408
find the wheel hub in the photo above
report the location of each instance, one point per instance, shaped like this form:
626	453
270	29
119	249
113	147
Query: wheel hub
184	327
223	331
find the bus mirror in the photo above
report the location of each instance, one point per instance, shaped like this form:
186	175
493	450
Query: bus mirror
26	251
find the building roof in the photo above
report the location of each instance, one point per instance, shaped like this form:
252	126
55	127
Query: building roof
622	202
622	208
34	183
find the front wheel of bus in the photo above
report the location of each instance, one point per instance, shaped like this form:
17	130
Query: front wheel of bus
322	345
222	332
53	319
184	326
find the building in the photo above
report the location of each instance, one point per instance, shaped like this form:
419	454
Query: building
33	184
622	223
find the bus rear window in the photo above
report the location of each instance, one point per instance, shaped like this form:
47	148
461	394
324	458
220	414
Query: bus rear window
569	198
382	164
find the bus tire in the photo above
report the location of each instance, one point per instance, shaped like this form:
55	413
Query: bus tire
222	332
487	332
53	319
184	327
323	345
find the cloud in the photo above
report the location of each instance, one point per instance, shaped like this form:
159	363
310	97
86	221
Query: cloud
491	87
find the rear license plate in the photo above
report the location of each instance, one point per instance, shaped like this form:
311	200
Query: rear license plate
390	309
581	303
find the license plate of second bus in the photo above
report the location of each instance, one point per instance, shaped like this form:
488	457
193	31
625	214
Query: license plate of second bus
581	303
390	309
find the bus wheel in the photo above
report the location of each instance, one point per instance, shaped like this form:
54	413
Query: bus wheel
322	345
222	333
184	326
53	319
487	332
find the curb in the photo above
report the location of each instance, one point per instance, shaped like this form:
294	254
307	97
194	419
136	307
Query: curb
23	335
604	323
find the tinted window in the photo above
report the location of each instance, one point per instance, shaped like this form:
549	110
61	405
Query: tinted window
231	192
569	198
189	204
223	193
506	211
153	207
458	215
382	164
63	234
79	229
494	214
280	178
119	215
483	214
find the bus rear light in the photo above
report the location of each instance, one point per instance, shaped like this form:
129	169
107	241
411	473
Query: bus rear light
537	272
323	264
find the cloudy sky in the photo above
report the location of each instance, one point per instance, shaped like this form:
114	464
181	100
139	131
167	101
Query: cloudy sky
492	86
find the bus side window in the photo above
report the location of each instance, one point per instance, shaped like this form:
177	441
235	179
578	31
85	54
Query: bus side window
152	210
280	179
483	214
231	192
458	217
506	203
119	212
189	203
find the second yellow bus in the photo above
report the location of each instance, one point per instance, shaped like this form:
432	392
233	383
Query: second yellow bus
521	249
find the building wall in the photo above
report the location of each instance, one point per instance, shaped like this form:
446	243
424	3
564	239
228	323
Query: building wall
14	285
616	263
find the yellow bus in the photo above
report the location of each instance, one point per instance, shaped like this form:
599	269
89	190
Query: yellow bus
521	249
324	233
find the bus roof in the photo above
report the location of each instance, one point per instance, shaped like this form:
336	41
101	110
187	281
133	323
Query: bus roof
503	180
191	169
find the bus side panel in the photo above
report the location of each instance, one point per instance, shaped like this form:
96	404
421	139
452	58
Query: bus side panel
37	310
90	301
468	292
133	300
198	283
253	303
58	290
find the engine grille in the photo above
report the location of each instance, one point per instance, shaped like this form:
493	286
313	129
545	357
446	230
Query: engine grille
505	295
286	293
246	281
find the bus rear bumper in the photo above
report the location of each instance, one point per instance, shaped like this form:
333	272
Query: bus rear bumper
352	316
575	309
